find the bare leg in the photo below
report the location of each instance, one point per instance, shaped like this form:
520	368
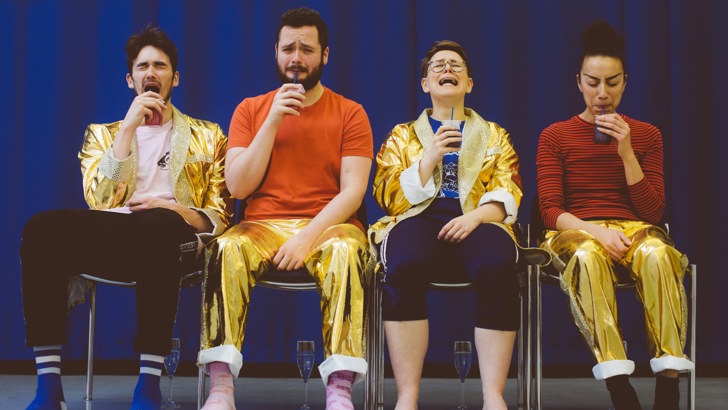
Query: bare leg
407	342
221	388
495	348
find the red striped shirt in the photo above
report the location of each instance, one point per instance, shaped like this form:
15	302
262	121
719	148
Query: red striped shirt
576	175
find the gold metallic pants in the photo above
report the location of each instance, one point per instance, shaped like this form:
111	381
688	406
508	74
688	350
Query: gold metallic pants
337	263
588	278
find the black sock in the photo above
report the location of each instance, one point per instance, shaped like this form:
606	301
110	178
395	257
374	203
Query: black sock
622	393
667	393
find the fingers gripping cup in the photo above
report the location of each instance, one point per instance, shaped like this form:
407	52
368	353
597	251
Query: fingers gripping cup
455	124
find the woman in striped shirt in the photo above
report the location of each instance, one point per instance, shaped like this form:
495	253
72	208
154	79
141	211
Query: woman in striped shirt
601	197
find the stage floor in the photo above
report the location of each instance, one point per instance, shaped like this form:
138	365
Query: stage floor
115	392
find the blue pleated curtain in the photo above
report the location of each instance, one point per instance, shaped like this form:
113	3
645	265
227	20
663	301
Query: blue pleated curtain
63	66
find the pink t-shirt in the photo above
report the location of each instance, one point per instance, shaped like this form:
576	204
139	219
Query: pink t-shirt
153	180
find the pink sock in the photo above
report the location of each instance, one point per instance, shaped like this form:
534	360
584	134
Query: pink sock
338	391
221	388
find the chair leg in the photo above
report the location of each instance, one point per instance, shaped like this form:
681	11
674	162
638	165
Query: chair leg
91	330
693	326
378	382
372	388
201	388
539	356
524	345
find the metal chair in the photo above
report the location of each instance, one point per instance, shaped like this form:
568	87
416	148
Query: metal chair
191	279
549	275
529	259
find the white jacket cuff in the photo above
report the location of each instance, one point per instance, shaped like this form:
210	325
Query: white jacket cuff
412	188
508	201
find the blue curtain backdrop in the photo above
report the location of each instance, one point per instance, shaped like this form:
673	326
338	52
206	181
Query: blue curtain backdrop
63	66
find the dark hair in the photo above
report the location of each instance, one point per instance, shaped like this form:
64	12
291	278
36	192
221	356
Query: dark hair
444	45
600	39
150	36
304	16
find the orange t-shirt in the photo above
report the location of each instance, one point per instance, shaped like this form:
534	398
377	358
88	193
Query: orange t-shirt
305	163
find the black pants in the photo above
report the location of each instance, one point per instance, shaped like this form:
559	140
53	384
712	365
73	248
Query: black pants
413	257
145	247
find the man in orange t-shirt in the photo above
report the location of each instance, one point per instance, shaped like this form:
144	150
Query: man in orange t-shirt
300	157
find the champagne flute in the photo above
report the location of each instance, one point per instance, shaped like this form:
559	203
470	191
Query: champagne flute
463	358
170	364
305	359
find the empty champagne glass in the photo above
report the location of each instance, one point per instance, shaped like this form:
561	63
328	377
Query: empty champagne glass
170	364
463	358
305	360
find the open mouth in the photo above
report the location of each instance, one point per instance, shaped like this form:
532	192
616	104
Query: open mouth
448	81
151	86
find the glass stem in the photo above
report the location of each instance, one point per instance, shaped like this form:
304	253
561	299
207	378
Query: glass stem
462	394
305	392
170	389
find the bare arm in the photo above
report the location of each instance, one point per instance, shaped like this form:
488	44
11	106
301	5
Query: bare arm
354	180
615	242
245	167
459	228
142	105
198	220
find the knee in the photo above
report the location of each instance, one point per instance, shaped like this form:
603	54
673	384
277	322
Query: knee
160	225
42	224
590	252
43	232
407	302
653	258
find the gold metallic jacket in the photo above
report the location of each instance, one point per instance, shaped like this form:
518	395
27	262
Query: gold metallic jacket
487	163
197	156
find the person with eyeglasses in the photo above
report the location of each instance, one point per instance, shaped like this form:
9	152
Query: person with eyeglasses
450	194
601	194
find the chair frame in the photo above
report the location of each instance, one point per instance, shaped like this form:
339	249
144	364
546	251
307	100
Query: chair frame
190	279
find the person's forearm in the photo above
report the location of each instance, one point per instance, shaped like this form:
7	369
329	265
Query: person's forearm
632	170
244	170
337	211
122	143
491	212
569	221
193	217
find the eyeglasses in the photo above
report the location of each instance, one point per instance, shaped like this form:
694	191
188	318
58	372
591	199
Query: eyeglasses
438	66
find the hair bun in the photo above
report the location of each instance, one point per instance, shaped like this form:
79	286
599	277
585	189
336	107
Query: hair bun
600	38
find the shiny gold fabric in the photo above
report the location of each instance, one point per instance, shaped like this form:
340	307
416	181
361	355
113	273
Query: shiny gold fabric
487	163
238	257
197	157
588	278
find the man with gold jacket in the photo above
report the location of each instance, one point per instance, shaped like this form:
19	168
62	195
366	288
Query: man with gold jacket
155	186
450	193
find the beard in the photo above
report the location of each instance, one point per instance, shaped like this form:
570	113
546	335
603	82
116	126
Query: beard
312	78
